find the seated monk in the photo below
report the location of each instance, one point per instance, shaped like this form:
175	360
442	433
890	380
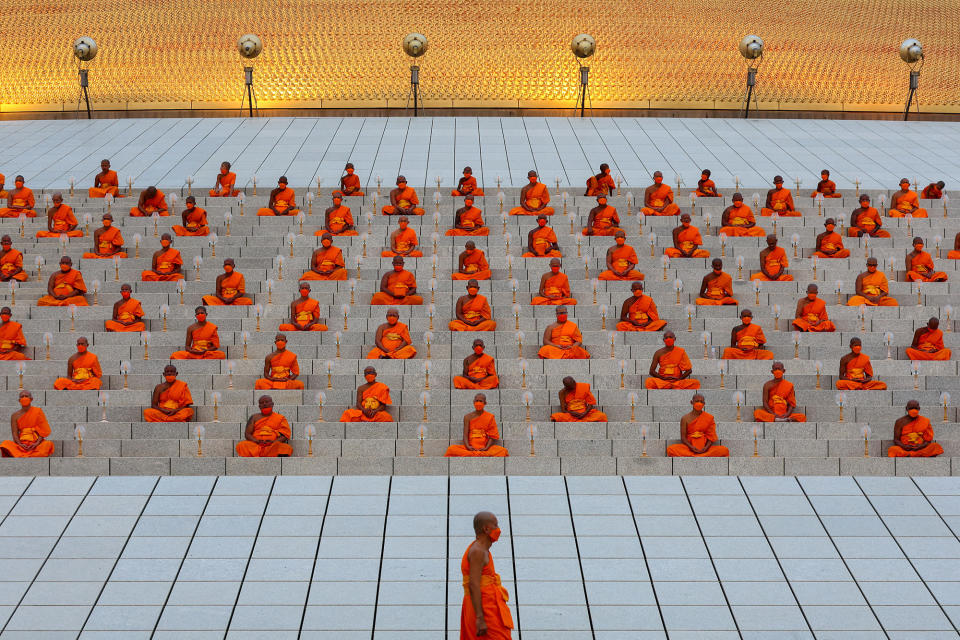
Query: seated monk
856	372
872	288
202	342
338	219
480	434
658	198
107	241
811	313
326	263
639	312
166	263
738	220
468	221
830	243
171	399
542	241
706	188
392	340
473	311
194	220
397	287
230	288
282	201
779	399
403	200
621	260
933	191
60	220
779	201
670	367
698	434
105	182
534	198
83	370
484	611
151	201
280	368
603	219
955	254
577	404
12	340
64	287
30	430
865	221
467	185
913	435
350	182
920	265
905	202
554	287
19	201
716	288
373	399
562	340
472	264
686	241
223	186
479	370
304	313
127	313
403	241
601	184
826	187
11	262
928	343
747	340
267	434
773	263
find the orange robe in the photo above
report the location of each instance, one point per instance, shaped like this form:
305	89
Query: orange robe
167	260
86	368
689	239
903	203
109	183
921	269
671	364
108	246
622	257
305	312
480	430
398	283
482	366
781	396
828	188
557	290
11	261
63	219
602	186
537	195
543	239
392	338
781	202
874	284
229	286
699	432
350	185
69	284
929	347
832	241
472	219
196	224
225	189
406	239
706	189
475	267
157	203
858	368
21	198
564	334
814	312
327	259
493	600
915	432
719	291
643	310
269	427
467	187
749	340
604	223
285	203
577	400
129	310
866	221
406	198
473	309
202	338
376	396
931	192
776	263
738	220
31	426
178	397
282	366
657	197
340	218
11	335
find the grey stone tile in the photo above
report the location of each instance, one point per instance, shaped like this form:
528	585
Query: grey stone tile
127	618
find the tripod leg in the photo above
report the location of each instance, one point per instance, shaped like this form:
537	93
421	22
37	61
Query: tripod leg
86	98
416	98
746	113
250	99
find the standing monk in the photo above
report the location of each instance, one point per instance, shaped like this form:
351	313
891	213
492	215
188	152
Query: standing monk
230	288
403	200
194	220
326	262
282	201
779	201
280	368
601	184
338	219
811	313
927	343
686	241
392	340
534	198
639	312
865	220
562	340
151	201
603	219
267	434
706	188
698	434
542	241
473	311
397	287
223	186
83	370
738	220
856	372
350	182
872	288
955	254
920	265
127	313
479	370
64	287
11	262
747	341
171	399
105	182
107	241
933	191
779	399
621	260
484	612
670	367
472	264
403	241
773	263
913	435
60	220
716	288
19	201
577	403
905	202
826	187
373	401
202	341
658	198
467	185
468	221
29	428
304	313
830	243
165	266
554	287
12	340
480	434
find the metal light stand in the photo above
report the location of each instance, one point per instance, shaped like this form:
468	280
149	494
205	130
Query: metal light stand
914	84
250	96
414	89
84	95
751	83
583	95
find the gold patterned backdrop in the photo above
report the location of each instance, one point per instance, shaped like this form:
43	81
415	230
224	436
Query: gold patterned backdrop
820	54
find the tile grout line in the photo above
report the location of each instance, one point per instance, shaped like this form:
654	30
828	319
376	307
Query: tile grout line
576	544
4	519
646	561
446	581
383	545
513	561
316	555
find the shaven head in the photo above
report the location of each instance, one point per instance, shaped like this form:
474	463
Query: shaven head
913	404
483	520
933	323
812	288
569	383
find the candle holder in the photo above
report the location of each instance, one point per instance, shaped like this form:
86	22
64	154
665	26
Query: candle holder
595	285
428	338
856	182
523	365
125	371
280	262
944	401
145	338
652	237
619	180
756	291
633	398
520	336
888	340
580	246
948	313
329	367
73	316
629	203
433	290
838	287
181	288
819	367
665	262
796	345
13	293
200	432
514	284
862	314
840	399
533	435
337	336
116	268
320	399
245	338
197	261
253	178
603	316
623	371
919	294
814	261
707	219
156	224
425	400
723	245
776	317
47	343
516	316
258	313
426	374
756	450
421	434
643	441
345	311
937	239
613	340
39	261
240	198
310	201
21	369
231	368
738	399
212	243
722	367
79	432
431	311
270	284
216	397
705	338
915	372
102	399
866	442
739	267
310	432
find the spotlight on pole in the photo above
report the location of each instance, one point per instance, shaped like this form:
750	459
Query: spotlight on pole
583	46
911	52
249	46
751	48
85	50
414	45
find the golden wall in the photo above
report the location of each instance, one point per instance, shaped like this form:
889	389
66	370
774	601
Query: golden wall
182	53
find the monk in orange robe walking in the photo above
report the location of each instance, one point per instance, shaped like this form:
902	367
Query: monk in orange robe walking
60	220
698	434
479	370
686	241
906	202
194	220
326	262
468	221
65	287
554	287
577	403
562	340
373	401
282	201
338	219
826	187
773	263
913	435
403	241
166	264
933	191
747	341
601	184
830	243
392	340
472	264
266	435
621	260
350	182
397	287
738	220
19	201
304	313
223	186
12	340
484	612
603	219
105	182
865	220
927	343
856	372
280	368
107	241
230	288
11	262
171	399
639	312
920	265
779	399
706	188
127	313
473	311
83	370
779	201
670	367
29	428
542	241
811	313
480	434
716	288
202	342
658	198
872	288
403	200
534	198
467	185
151	201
